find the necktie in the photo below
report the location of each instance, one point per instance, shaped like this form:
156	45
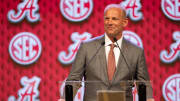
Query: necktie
111	62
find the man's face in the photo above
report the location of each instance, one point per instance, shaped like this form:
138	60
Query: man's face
114	22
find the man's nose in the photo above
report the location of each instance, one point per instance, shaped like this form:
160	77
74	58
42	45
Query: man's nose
110	22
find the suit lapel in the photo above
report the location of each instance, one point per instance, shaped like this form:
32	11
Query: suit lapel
103	62
124	49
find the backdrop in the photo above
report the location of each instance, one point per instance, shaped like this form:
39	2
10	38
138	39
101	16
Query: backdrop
39	40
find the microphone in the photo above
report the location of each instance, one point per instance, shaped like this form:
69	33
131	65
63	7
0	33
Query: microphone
102	44
141	86
115	40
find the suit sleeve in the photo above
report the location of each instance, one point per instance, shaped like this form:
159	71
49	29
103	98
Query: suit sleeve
142	74
77	70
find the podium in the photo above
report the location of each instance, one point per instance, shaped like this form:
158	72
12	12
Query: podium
100	91
108	95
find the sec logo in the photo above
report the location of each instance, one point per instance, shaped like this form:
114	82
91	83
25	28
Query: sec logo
171	9
171	88
133	38
25	48
76	10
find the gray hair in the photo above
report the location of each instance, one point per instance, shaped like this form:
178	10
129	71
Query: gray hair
120	6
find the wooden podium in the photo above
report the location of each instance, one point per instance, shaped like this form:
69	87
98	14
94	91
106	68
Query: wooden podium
100	92
106	95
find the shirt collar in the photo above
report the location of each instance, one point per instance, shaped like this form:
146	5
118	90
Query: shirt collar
108	41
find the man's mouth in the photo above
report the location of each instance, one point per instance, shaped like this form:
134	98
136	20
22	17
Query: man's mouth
110	28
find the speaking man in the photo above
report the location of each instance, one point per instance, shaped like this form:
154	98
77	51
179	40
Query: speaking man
100	59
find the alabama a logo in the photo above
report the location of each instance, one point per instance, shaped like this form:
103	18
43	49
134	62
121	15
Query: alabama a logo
171	8
25	48
28	9
169	57
76	10
133	8
171	88
65	58
77	39
29	92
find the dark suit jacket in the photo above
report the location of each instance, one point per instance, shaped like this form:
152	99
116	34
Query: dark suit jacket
96	69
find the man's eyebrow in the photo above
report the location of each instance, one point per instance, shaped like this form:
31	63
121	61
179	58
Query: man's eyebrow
115	18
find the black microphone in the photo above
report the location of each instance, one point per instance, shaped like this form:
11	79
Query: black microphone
141	85
102	44
69	88
115	40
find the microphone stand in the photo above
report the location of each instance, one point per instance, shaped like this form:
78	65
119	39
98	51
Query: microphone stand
69	88
115	40
141	86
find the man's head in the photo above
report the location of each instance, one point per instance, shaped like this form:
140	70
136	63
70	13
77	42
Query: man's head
114	20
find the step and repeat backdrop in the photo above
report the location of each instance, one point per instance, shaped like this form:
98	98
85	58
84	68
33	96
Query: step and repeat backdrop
39	40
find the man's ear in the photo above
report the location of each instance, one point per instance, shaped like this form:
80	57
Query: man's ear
125	22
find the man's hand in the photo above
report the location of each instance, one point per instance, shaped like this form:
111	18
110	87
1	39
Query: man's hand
150	99
61	100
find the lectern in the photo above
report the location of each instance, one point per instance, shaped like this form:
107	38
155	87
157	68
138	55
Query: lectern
99	91
108	95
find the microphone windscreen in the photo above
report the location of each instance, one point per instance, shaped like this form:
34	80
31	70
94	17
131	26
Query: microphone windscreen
103	43
114	39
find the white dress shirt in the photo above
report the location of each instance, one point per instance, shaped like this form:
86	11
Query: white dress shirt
116	49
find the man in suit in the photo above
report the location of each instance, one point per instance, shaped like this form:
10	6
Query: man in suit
96	61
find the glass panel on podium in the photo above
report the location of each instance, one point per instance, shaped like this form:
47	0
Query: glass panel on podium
100	91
